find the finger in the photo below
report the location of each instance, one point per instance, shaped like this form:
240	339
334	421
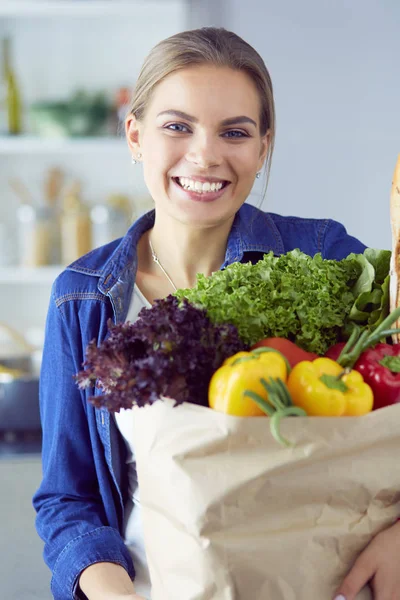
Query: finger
359	575
383	589
386	594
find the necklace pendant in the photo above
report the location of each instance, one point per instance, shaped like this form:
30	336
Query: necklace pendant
155	259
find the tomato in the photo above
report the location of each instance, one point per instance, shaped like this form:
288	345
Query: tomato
293	353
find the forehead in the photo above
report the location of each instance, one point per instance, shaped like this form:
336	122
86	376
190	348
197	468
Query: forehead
207	91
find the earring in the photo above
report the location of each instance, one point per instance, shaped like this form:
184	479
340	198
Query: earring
134	160
258	175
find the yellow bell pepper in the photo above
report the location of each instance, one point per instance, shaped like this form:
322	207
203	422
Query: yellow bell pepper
240	377
252	384
323	388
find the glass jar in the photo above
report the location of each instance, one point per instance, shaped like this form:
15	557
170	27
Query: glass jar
36	234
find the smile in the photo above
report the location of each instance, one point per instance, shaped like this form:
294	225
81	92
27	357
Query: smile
201	187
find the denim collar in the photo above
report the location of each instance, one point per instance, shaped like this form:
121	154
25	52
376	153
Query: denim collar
252	231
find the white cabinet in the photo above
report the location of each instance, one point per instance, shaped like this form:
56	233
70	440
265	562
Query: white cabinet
59	47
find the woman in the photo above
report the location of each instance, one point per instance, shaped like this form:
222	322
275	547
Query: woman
203	125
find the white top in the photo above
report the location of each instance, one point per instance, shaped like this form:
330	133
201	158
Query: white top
133	531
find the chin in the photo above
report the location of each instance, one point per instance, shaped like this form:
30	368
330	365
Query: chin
204	217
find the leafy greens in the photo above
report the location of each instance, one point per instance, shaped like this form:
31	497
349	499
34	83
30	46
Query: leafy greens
309	300
371	291
172	350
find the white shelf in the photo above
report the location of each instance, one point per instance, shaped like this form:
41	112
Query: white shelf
82	8
34	275
27	145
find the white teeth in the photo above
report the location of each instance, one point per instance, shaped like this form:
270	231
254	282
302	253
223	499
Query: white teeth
198	186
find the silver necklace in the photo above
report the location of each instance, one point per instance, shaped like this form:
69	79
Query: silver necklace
156	260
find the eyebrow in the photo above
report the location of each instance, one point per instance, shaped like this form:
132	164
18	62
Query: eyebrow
232	121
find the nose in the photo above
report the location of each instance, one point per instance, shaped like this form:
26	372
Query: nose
204	151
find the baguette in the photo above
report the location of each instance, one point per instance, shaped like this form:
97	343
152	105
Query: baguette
394	290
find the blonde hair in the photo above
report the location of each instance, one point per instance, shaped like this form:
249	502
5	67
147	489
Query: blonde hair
208	45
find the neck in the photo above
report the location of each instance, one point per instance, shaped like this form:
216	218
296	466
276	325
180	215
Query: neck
184	252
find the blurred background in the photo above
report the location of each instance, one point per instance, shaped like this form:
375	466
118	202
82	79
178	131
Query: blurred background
67	69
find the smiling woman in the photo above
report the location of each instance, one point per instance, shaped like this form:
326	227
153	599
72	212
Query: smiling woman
201	152
202	123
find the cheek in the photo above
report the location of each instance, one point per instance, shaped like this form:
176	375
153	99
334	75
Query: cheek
246	165
245	157
163	154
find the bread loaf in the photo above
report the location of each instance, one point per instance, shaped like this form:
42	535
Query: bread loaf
395	258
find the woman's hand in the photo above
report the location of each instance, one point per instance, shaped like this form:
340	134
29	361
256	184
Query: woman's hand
378	564
107	581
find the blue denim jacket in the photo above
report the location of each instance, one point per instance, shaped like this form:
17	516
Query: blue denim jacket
80	502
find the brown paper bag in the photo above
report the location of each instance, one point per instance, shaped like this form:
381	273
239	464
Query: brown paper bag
229	514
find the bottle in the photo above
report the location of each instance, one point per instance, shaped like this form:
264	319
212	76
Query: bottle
75	226
10	96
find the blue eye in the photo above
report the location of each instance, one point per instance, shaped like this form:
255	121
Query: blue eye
178	127
235	133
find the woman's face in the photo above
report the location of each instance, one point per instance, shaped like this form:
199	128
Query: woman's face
201	144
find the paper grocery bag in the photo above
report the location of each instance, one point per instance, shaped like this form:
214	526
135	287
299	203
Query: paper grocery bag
229	514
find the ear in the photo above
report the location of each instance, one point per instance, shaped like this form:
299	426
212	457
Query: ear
264	145
132	132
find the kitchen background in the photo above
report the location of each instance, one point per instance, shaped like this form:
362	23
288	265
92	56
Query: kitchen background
66	174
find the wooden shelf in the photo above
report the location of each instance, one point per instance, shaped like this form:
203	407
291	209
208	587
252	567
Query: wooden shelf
34	275
83	8
29	144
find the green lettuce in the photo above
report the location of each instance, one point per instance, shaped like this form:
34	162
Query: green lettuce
371	291
309	300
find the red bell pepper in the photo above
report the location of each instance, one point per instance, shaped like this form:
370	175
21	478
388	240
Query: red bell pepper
380	368
378	363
